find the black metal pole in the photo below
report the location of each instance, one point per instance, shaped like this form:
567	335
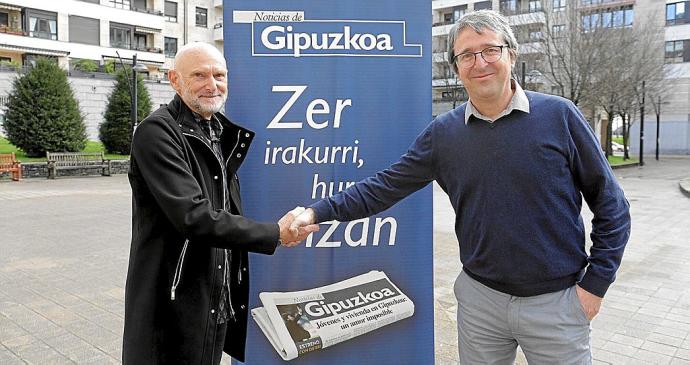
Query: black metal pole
134	93
522	82
658	116
642	128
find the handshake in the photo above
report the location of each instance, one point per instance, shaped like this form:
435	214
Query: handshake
296	225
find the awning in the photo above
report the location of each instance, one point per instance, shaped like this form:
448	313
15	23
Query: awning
41	51
10	7
146	30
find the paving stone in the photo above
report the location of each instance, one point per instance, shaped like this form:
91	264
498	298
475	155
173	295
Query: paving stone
64	295
652	357
659	348
627	340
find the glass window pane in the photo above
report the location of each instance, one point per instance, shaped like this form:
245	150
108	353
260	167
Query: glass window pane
680	10
670	11
629	15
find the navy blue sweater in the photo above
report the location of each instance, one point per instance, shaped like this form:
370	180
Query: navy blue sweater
516	186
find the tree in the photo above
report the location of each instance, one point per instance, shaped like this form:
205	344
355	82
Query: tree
42	113
636	58
116	129
598	58
452	86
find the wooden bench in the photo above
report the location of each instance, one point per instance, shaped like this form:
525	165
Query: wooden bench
9	163
76	160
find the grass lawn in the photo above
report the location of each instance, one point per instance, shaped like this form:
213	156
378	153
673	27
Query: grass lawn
618	160
618	140
91	146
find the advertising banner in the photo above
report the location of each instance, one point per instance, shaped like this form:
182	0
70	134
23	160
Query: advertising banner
335	92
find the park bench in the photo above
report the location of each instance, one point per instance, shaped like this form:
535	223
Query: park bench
76	160
9	163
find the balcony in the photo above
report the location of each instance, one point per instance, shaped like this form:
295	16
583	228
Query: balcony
218	32
447	4
527	18
148	11
14	31
441	29
438	57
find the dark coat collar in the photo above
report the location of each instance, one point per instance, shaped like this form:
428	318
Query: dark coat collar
235	139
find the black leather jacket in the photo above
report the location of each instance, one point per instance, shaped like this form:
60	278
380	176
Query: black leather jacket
179	233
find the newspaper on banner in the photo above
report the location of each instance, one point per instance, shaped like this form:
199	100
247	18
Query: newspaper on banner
300	322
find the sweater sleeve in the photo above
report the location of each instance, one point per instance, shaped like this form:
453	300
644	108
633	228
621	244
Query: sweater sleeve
377	193
159	161
605	198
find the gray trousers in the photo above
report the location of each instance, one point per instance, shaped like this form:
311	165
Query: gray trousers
550	328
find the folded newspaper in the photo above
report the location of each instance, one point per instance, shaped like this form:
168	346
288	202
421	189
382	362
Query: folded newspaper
300	322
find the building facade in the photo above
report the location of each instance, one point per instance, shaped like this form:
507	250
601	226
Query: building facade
103	32
107	30
532	19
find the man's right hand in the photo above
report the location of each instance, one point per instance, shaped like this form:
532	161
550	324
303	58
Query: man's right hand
294	231
304	219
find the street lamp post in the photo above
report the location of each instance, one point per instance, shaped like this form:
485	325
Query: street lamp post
136	68
642	128
658	116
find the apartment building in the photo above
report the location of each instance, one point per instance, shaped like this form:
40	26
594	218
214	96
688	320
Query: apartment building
529	19
100	30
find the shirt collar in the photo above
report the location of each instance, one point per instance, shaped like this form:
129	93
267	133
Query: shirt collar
519	101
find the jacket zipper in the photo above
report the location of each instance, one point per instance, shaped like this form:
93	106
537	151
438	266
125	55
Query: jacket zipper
228	256
178	270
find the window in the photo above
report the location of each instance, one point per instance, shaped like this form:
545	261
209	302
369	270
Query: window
677	51
139	42
121	36
482	5
618	18
458	12
84	30
201	16
170	47
120	4
139	4
4	20
508	7
534	6
675	13
558	30
41	24
448	18
171	11
629	15
558	5
535	35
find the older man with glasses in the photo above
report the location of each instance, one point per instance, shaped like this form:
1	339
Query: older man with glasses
515	166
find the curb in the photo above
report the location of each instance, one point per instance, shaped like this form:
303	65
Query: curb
623	166
684	186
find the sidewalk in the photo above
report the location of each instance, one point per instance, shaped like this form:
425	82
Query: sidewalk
65	247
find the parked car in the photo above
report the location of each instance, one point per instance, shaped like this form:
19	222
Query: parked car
616	147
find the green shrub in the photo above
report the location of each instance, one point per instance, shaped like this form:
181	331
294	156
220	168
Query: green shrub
42	113
13	64
109	67
116	129
86	65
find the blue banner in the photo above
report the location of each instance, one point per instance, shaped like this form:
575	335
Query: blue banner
335	91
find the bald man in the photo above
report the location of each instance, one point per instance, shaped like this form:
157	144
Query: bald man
187	284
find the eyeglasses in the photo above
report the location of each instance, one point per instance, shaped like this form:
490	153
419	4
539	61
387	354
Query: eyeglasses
489	54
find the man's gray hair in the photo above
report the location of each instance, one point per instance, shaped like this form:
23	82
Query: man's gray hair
481	20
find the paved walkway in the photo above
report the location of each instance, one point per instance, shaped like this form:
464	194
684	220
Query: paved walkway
65	243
